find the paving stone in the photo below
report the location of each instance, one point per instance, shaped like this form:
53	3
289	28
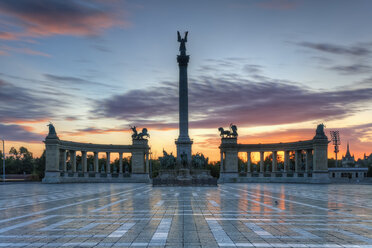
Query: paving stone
230	215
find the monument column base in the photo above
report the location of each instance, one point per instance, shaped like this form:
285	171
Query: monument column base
184	147
52	177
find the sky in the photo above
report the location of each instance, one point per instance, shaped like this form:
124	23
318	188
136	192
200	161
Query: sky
275	68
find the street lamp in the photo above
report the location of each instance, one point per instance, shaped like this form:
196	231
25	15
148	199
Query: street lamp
335	135
3	160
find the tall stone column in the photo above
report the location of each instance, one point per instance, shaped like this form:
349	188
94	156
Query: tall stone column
262	167
183	142
286	161
73	160
275	161
249	162
84	161
96	167
108	167
120	162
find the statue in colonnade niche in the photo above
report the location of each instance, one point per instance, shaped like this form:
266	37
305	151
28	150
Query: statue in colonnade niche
232	133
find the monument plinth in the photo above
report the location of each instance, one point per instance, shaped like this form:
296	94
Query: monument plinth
183	142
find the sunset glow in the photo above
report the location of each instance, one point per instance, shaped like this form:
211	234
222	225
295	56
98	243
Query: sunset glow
275	68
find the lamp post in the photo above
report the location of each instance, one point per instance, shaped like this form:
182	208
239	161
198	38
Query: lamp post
335	135
3	160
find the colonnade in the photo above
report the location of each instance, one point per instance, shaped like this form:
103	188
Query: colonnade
56	170
85	168
314	151
298	162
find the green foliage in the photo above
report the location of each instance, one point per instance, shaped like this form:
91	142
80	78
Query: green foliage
214	168
155	167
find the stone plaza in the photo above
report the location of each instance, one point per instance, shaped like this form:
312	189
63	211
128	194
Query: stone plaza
230	215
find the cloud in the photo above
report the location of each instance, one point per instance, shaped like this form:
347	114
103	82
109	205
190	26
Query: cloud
19	133
357	50
352	69
71	80
94	130
17	104
218	101
23	50
53	17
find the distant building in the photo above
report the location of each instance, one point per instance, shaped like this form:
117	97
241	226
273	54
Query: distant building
348	160
349	170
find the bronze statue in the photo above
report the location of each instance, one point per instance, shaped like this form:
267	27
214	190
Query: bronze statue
319	133
232	133
141	135
52	130
182	41
168	161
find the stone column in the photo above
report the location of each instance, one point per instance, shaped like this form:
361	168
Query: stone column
320	160
262	164
96	168
52	157
84	161
147	163
64	160
297	162
286	161
73	160
120	162
108	167
309	158
275	161
222	168
249	162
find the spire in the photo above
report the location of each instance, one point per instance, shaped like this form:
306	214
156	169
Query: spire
347	155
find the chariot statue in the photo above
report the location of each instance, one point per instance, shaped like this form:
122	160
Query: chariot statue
168	161
232	133
199	161
141	135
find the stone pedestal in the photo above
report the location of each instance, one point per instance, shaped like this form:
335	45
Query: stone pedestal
184	147
320	159
230	169
52	156
138	156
